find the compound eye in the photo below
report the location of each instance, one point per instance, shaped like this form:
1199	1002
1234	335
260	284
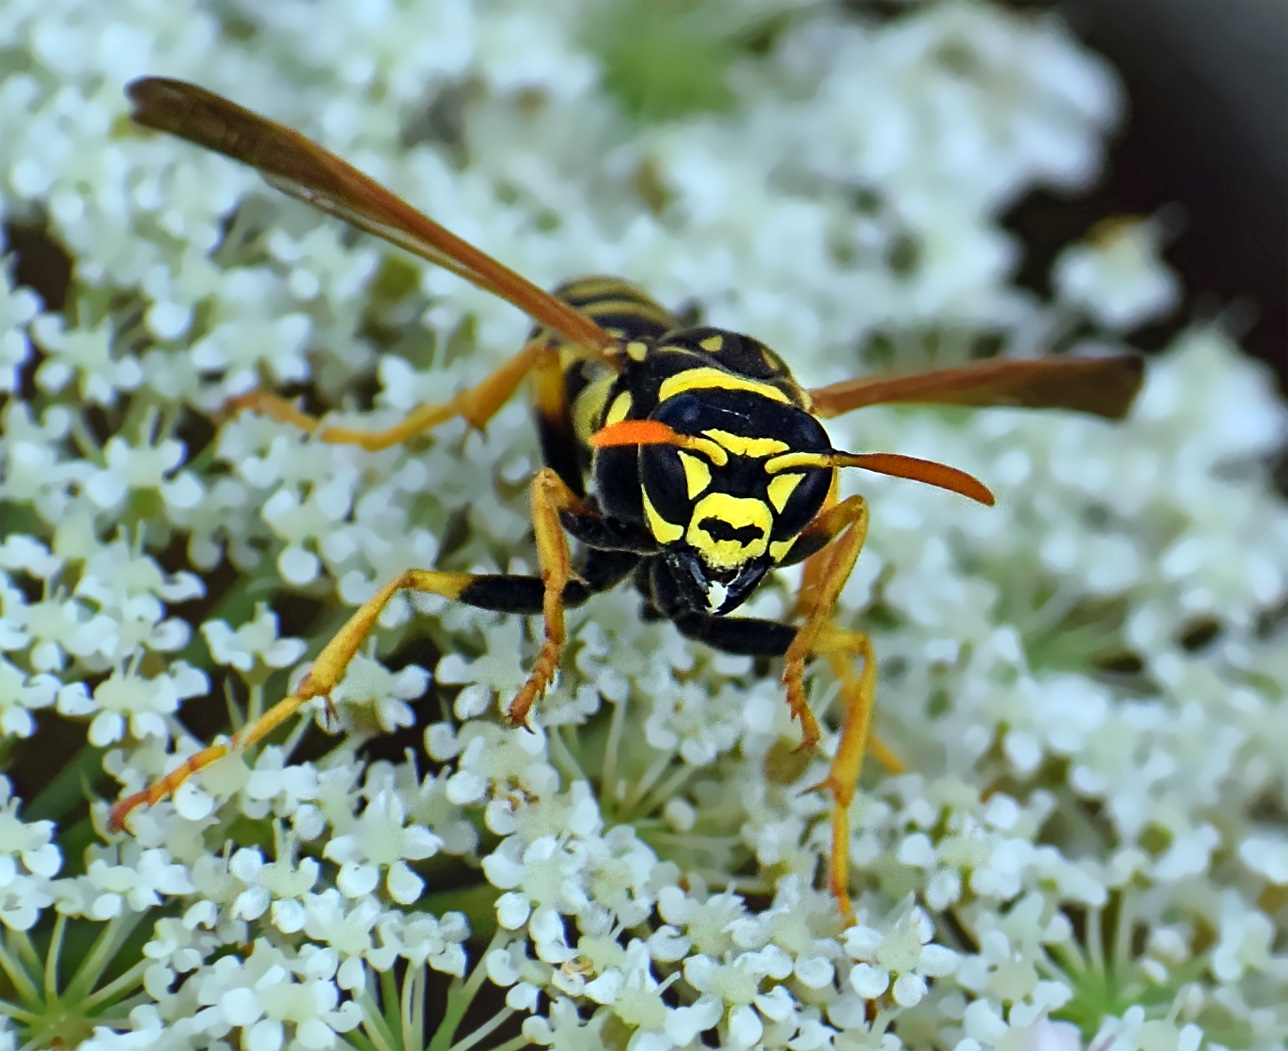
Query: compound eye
802	503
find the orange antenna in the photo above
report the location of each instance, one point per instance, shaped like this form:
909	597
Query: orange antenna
651	432
929	471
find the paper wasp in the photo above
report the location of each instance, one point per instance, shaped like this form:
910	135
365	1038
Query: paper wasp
686	459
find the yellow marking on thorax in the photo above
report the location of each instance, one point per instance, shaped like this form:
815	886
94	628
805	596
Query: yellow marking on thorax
697	475
636	350
664	532
593	285
712	343
607	304
619	410
781	487
738	512
741	445
707	378
588	405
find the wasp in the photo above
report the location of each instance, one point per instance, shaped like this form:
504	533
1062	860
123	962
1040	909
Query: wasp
686	459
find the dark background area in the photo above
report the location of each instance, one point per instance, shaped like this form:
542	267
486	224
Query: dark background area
1207	130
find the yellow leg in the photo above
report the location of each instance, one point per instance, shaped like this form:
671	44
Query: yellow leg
549	496
322	678
476	405
818	637
849	519
829	564
859	693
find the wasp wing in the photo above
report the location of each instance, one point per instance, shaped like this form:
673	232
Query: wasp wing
300	167
1103	386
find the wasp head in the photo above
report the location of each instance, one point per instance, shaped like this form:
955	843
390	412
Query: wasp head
727	504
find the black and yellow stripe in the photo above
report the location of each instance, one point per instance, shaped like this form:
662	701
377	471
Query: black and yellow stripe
567	416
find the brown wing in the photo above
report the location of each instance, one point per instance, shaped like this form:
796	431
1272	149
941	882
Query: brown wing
1104	386
300	167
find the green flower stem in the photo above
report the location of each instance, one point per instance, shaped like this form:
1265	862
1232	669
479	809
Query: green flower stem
85	440
375	1034
384	1022
27	952
608	772
18	1014
105	947
563	754
413	1006
459	998
51	957
131	979
646	782
514	1045
484	1030
17	974
667	789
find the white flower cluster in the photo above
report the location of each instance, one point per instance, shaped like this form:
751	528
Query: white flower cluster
1084	684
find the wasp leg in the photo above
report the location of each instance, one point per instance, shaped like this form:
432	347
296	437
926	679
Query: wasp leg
551	593
834	539
752	636
551	498
476	405
327	670
815	547
840	646
847	523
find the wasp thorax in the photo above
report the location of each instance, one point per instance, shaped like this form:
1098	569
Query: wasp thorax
722	514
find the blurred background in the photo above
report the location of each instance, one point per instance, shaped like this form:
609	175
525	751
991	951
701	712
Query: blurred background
1205	141
1207	132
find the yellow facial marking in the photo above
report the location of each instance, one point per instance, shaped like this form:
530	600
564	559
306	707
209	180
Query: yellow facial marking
709	378
741	445
781	487
779	548
712	343
713	452
636	351
738	513
663	531
789	460
697	475
619	409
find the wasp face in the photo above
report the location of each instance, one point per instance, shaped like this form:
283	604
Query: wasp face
704	588
722	516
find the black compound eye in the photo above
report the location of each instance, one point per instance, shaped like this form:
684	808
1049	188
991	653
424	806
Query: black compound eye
805	501
686	413
801	431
